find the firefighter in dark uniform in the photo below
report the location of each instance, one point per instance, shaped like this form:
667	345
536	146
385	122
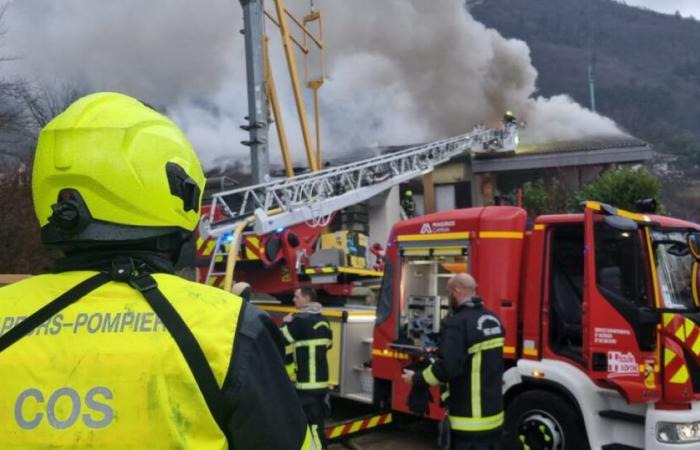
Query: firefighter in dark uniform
309	335
509	119
408	204
471	364
113	350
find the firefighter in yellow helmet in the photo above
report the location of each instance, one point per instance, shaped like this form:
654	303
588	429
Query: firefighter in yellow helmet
509	119
113	351
408	203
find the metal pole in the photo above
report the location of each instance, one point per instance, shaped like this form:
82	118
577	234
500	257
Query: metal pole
318	129
257	102
279	120
292	66
591	84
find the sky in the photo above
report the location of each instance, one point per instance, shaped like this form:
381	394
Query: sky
383	86
686	7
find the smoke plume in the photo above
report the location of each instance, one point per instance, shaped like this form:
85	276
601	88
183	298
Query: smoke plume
402	71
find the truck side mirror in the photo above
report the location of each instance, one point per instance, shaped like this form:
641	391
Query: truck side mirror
694	244
649	316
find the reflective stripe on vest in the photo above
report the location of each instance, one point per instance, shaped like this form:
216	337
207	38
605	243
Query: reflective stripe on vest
476	385
321	324
311	344
476	351
129	385
311	385
287	335
476	423
309	443
486	345
429	376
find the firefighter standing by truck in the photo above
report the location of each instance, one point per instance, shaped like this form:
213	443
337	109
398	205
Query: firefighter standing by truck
113	350
471	364
310	337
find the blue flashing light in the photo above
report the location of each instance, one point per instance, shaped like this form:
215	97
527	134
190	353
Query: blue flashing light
279	230
229	238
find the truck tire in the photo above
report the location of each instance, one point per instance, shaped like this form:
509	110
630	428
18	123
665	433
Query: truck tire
542	420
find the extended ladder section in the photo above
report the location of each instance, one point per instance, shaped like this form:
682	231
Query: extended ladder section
312	196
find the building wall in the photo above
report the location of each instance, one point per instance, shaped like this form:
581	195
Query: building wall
383	214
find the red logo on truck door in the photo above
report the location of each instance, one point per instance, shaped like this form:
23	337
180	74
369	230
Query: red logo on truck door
622	364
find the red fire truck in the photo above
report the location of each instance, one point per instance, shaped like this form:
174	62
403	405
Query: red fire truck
601	311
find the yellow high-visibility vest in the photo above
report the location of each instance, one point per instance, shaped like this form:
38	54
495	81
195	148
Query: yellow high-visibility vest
105	373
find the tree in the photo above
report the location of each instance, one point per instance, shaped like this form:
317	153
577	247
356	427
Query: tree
12	114
544	197
20	246
24	109
621	188
41	103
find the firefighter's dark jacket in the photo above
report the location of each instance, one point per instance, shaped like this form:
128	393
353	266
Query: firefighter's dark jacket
471	364
310	337
129	379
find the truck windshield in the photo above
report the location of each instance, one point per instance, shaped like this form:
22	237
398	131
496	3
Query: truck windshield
676	269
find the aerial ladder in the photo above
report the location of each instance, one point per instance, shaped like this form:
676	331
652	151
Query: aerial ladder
313	198
305	202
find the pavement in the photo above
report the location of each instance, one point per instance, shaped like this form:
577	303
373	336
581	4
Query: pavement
405	437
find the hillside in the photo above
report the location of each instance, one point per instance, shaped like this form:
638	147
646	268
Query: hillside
647	65
647	69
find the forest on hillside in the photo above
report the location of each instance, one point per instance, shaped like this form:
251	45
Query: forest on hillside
646	64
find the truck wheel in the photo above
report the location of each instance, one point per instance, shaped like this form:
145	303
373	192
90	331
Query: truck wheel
542	420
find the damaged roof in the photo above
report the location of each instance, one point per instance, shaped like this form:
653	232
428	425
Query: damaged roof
582	152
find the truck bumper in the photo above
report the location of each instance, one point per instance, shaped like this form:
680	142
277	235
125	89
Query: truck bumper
654	416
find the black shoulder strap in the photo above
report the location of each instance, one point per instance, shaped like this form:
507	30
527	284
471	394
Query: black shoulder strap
51	309
188	345
185	340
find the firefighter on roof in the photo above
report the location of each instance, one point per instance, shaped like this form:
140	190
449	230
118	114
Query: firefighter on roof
310	337
471	364
112	350
509	119
408	204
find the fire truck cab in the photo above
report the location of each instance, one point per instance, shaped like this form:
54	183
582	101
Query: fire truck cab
602	318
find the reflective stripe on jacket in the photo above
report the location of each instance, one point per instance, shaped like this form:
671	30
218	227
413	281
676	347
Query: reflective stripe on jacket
310	337
471	346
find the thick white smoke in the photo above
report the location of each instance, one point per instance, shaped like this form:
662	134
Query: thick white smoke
401	71
438	72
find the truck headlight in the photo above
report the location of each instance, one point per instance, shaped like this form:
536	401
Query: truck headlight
678	432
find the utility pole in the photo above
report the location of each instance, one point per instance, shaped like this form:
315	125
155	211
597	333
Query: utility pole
257	99
591	80
592	45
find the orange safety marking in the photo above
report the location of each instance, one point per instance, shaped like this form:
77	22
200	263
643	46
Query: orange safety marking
676	370
358	425
530	351
386	353
675	325
251	247
205	247
216	280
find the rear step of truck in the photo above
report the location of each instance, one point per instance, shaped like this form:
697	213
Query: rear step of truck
341	430
622	416
619	447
